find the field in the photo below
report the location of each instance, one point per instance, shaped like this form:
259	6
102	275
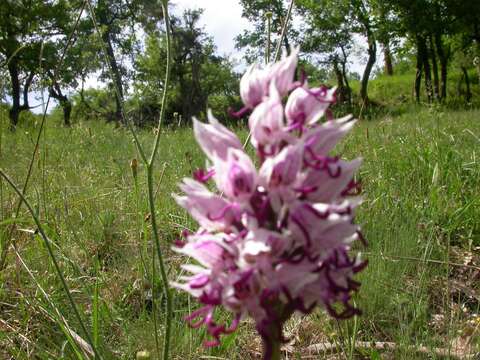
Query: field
421	217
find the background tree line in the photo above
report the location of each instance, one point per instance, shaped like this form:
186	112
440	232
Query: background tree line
121	44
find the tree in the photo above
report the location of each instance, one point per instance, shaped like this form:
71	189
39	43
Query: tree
330	26
117	22
254	41
199	77
328	36
26	29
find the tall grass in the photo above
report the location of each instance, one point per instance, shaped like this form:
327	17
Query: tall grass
421	181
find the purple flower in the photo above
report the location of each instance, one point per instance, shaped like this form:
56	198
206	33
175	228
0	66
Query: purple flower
278	239
307	106
266	121
214	138
236	175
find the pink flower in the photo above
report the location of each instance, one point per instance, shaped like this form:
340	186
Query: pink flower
236	175
211	211
256	82
307	106
266	122
214	138
283	169
277	240
282	73
253	86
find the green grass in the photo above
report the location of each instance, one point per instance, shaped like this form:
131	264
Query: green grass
421	180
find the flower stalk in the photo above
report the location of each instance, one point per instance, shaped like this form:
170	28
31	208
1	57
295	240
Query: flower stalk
149	165
151	196
268	15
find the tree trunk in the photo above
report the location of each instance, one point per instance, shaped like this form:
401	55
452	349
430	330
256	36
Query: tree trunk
117	77
426	66
418	75
372	57
436	84
17	108
348	89
340	83
468	94
56	92
443	65
64	102
387	55
26	89
15	82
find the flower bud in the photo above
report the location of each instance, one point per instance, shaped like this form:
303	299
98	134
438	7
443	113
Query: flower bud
253	86
134	167
266	121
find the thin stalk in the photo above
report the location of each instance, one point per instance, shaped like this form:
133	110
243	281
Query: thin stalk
149	163
163	273
96	306
1	181
276	352
166	83
284	31
353	339
44	152
154	307
54	260
143	271
269	34
151	195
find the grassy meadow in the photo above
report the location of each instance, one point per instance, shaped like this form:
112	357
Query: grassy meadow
421	217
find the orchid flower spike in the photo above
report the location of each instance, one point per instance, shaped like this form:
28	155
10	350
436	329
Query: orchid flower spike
278	239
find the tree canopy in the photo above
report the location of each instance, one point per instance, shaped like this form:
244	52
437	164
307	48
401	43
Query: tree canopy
58	45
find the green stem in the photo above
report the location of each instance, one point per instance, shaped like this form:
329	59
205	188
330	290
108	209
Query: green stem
154	304
269	34
151	195
276	353
166	83
284	32
163	273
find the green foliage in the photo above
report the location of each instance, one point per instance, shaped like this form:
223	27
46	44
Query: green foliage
93	104
254	41
200	78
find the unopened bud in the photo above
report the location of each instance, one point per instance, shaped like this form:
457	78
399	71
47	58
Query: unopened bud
134	167
268	14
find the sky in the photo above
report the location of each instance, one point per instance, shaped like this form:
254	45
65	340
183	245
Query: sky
222	19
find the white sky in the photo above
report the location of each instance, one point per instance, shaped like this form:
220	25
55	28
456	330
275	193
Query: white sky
222	19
